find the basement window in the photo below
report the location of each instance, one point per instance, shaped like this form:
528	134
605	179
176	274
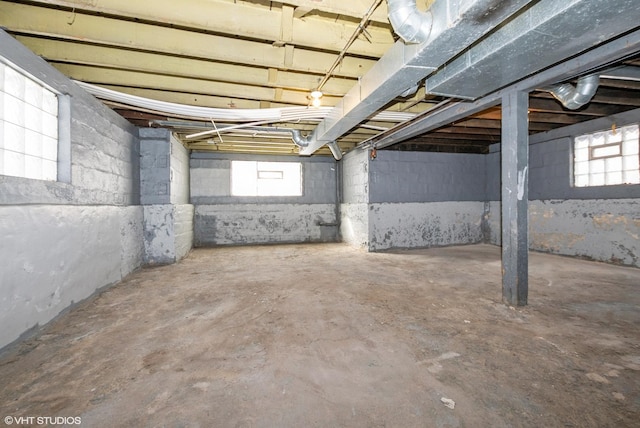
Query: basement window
28	126
252	178
607	158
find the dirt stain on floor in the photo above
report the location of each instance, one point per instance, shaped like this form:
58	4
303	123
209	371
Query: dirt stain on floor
325	335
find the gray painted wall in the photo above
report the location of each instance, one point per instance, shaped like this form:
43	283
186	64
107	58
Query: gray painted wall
601	223
234	224
155	169
223	219
168	216
426	177
412	200
422	225
63	241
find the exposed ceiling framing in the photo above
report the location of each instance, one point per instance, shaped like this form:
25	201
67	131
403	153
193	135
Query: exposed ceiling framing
259	54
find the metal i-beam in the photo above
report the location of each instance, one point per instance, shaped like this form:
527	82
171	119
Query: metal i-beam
515	198
605	54
456	25
545	34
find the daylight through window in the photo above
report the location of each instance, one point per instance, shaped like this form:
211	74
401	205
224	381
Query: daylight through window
251	178
28	126
607	158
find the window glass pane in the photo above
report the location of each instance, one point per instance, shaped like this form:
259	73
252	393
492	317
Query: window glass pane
630	147
33	143
28	126
596	166
613	178
613	164
605	151
582	154
614	137
14	136
33	93
270	175
631	132
581	180
49	125
14	110
49	170
13	83
581	168
33	118
49	102
632	177
582	142
243	178
14	164
630	163
33	167
49	148
597	180
598	139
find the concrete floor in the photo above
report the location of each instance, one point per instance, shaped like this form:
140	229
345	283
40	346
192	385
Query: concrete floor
328	336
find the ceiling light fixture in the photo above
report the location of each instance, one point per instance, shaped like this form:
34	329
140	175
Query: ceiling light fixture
316	95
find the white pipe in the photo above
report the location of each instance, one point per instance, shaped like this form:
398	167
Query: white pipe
252	117
270	115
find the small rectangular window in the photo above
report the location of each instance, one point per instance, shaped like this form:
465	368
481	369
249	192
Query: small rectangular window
607	158
270	175
252	178
28	126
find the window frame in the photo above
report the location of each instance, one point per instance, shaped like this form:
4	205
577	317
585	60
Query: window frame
588	157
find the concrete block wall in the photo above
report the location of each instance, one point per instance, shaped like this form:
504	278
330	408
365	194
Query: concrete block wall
412	199
600	223
423	225
63	241
354	207
223	219
164	177
403	177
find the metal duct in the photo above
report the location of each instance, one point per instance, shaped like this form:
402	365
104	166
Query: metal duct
456	25
575	97
302	142
547	33
411	24
298	139
335	150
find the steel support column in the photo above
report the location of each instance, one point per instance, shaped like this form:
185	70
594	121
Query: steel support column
515	197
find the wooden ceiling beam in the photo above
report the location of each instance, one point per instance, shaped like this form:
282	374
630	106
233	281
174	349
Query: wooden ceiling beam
32	20
60	51
245	20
